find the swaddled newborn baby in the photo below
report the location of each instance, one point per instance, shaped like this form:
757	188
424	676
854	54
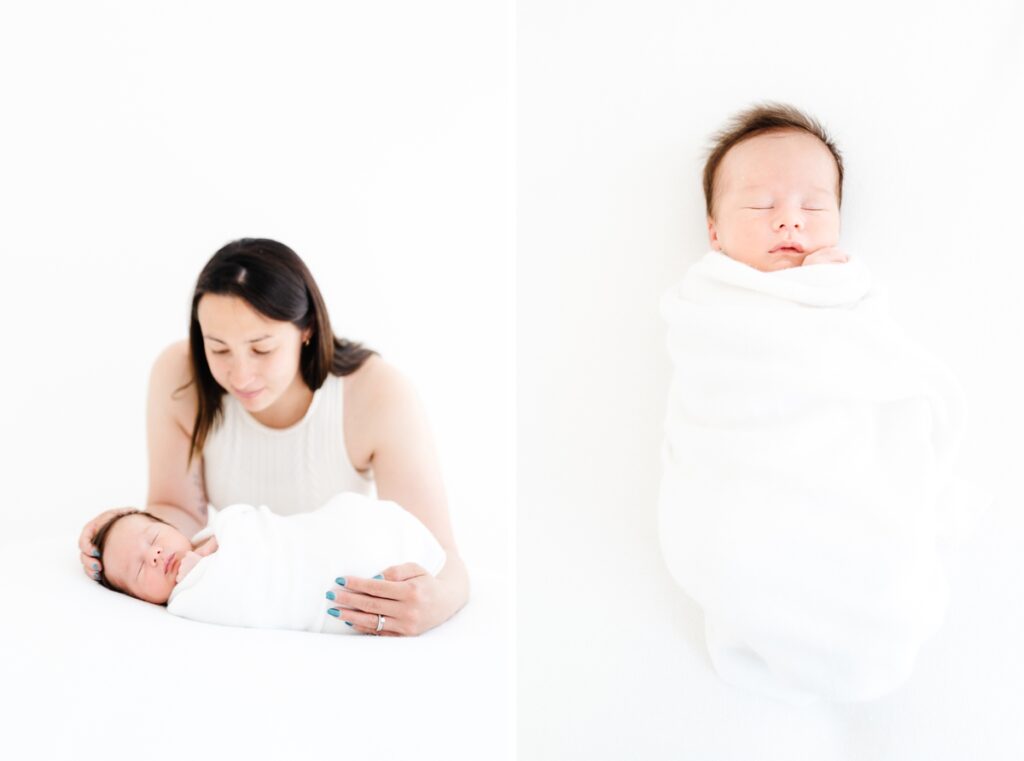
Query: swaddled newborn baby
806	437
250	567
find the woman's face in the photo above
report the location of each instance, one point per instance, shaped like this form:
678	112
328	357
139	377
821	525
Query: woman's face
252	357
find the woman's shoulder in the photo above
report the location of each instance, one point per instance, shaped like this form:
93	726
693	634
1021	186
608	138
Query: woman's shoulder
170	380
376	383
379	402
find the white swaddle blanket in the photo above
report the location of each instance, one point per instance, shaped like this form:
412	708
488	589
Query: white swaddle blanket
807	444
272	571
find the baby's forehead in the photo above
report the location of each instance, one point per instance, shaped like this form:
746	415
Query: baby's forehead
810	185
774	157
125	532
745	181
132	524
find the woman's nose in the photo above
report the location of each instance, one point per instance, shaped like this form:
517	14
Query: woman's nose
240	375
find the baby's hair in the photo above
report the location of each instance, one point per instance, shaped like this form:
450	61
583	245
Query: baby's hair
757	120
100	540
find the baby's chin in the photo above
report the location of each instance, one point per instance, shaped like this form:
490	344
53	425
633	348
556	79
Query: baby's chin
768	262
774	262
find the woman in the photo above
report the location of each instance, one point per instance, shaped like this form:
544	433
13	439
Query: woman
264	405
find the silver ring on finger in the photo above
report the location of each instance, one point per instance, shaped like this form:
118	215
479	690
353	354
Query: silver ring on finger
380	623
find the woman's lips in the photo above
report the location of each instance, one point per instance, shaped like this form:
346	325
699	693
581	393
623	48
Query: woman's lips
248	394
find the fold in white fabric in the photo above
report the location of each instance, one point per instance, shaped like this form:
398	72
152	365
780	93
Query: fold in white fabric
273	571
807	443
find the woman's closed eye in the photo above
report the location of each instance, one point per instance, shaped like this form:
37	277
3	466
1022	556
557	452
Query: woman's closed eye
254	351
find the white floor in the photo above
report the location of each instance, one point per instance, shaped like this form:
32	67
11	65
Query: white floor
89	673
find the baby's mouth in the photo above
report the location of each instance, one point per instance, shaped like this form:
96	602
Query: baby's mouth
170	563
788	248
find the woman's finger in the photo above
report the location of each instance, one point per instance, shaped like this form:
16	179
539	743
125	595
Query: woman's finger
365	603
365	623
379	587
85	544
91	566
403	572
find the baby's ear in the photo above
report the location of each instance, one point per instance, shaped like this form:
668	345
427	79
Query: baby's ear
713	234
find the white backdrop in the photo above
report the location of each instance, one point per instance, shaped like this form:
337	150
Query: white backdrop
617	102
374	139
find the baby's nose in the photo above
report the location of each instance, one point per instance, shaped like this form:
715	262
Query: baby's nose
789	217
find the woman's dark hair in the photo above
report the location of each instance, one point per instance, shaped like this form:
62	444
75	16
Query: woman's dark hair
275	282
100	540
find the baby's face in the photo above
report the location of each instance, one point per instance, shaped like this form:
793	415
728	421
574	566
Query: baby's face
771	189
141	556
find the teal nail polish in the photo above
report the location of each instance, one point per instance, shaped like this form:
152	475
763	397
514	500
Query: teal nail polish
95	553
95	577
333	612
340	581
347	623
378	576
330	595
95	567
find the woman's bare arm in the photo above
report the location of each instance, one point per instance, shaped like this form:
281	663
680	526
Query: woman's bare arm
176	490
386	429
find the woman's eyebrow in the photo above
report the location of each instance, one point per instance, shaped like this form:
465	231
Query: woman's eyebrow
251	340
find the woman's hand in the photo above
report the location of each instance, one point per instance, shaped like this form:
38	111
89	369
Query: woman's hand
90	556
408	598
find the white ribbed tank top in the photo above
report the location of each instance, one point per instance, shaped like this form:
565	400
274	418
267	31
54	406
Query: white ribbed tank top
290	470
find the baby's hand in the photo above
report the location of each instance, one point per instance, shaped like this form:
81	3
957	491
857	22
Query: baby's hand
826	255
187	564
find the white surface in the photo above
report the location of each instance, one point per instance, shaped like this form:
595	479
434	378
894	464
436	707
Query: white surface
89	672
616	104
